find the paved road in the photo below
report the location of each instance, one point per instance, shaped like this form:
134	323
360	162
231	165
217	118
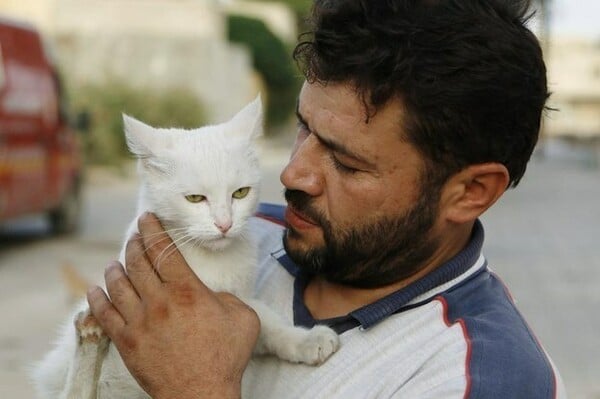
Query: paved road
543	239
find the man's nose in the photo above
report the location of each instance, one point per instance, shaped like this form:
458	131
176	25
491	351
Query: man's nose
303	171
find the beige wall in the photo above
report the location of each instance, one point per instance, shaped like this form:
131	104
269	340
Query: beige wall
574	80
219	75
199	18
153	43
38	12
165	18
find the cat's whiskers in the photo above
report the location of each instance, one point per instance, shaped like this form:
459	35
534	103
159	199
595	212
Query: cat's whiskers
175	230
178	242
174	234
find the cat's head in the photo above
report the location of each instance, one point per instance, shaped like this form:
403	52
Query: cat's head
202	183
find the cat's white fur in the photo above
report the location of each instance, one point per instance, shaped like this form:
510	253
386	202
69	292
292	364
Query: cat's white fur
213	161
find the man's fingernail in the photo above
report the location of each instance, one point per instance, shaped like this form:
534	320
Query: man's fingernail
113	269
113	264
93	291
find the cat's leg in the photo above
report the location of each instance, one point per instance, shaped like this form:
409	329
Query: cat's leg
50	374
295	344
84	371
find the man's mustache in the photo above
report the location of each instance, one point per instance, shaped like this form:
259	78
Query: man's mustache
301	202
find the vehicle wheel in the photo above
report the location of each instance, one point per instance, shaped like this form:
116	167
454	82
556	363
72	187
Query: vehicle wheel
65	218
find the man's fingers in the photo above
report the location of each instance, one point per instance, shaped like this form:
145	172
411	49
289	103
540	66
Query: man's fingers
103	310
139	268
121	292
162	252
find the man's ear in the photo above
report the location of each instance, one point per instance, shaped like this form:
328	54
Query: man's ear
470	192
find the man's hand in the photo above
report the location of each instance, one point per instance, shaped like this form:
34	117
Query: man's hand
178	338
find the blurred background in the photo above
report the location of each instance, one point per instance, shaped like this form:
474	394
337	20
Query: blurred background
68	185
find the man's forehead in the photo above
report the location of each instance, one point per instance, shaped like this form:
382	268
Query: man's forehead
340	101
338	120
340	105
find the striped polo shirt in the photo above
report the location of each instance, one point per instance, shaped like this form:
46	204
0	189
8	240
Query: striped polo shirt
455	333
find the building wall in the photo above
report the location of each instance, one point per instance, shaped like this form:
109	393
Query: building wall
163	43
165	18
148	43
38	12
219	75
574	80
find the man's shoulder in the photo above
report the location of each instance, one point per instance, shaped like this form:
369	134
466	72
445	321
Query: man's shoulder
266	227
274	213
505	359
266	230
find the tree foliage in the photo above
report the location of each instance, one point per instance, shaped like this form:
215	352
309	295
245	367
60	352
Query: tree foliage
301	9
273	60
105	142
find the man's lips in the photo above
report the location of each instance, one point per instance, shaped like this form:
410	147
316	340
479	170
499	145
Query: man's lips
297	220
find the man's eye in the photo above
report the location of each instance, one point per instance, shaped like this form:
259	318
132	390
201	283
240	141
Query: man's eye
301	127
341	167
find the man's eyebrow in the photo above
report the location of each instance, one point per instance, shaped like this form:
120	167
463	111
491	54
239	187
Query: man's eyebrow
333	145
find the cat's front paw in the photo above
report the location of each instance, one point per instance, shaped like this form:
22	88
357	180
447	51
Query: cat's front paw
320	343
88	329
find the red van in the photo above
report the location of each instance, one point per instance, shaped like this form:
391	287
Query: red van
40	159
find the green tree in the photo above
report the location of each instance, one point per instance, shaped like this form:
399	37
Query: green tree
301	9
272	59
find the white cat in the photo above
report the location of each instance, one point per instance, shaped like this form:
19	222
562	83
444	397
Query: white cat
203	184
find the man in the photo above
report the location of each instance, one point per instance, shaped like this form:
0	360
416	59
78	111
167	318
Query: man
416	116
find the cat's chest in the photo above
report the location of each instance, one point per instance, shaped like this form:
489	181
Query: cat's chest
231	270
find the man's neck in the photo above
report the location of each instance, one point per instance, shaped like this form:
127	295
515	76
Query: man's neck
326	300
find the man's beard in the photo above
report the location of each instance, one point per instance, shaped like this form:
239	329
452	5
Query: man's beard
375	254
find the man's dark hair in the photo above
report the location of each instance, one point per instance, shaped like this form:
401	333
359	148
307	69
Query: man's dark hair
469	73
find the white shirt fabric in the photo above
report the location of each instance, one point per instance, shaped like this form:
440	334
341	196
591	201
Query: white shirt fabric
454	335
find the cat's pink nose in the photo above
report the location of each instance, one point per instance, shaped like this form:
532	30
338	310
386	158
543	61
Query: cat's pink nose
223	226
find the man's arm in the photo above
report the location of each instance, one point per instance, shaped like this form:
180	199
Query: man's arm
176	336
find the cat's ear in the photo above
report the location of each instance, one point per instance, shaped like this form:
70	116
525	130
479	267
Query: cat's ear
141	138
249	121
144	141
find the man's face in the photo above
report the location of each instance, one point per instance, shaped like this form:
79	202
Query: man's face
358	211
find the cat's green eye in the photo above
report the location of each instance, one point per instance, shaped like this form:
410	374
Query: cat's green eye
241	193
194	198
